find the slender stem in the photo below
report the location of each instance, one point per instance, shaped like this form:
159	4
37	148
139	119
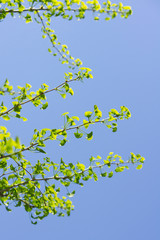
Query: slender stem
8	173
31	100
54	46
26	203
46	9
62	177
29	175
47	138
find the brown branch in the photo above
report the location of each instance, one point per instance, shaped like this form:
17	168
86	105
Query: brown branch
8	173
54	46
47	138
31	206
62	177
46	9
30	100
29	175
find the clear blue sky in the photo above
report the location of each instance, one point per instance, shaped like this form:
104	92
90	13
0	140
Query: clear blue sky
125	58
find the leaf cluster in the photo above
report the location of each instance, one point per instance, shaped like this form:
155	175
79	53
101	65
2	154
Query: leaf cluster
40	186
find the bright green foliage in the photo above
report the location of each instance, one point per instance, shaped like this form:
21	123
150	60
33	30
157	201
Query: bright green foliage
40	186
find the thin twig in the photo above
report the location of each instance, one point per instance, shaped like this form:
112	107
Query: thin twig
47	9
30	100
62	177
47	138
29	175
8	173
54	46
31	206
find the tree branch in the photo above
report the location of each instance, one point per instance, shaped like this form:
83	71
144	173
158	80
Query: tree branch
62	177
47	9
54	46
30	100
47	138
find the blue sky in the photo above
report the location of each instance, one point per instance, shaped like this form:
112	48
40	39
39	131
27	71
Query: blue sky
125	58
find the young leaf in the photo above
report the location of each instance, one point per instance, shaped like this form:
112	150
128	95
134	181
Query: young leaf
110	174
63	142
89	136
78	135
44	106
139	167
88	114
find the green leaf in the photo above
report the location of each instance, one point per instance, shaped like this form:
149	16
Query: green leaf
71	194
17	108
12	176
114	129
6	117
28	18
21	8
89	136
119	169
110	174
76	118
78	135
104	174
88	114
63	142
71	91
24	119
85	123
44	106
34	222
66	113
8	209
95	177
63	95
40	150
139	167
80	166
114	14
127	8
